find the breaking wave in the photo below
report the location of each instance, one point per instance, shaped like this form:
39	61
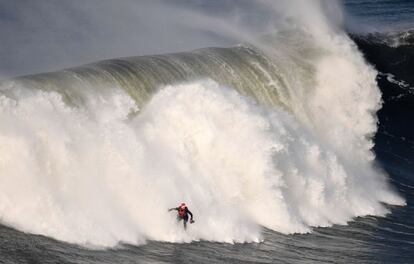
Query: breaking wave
276	136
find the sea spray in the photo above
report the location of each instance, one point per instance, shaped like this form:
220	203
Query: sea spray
276	133
92	174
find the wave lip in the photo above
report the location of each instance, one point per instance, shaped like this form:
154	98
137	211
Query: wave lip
394	39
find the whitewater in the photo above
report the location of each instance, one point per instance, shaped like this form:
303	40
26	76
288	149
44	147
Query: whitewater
276	134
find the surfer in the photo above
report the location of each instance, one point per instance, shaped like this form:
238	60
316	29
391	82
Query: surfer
183	213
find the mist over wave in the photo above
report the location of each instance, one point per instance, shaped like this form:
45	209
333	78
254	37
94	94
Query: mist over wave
277	134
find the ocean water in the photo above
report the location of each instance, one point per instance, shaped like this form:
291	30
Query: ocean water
381	15
296	147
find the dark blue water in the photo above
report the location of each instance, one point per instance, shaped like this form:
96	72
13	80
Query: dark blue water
380	15
365	240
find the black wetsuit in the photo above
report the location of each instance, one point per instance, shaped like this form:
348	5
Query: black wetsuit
185	217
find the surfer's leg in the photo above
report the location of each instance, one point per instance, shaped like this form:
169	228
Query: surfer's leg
185	219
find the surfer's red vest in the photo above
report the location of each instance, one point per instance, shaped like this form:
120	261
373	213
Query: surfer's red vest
181	211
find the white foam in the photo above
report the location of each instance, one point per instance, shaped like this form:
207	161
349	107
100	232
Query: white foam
88	175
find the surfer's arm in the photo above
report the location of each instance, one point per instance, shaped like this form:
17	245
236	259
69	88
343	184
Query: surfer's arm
188	211
176	208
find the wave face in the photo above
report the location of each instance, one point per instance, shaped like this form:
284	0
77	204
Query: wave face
248	136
